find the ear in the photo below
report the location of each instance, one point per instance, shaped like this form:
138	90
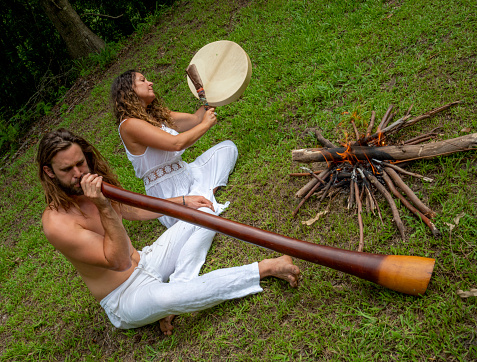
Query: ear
49	171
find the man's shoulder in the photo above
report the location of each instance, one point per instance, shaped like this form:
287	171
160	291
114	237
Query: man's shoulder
53	215
58	223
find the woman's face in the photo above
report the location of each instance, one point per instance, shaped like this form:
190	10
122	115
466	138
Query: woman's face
143	89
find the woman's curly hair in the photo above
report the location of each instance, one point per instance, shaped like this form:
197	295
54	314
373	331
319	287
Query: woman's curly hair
126	103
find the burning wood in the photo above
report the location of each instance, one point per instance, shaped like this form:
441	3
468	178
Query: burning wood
367	165
391	153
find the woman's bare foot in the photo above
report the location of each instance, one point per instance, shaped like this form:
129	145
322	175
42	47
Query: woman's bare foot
281	267
166	324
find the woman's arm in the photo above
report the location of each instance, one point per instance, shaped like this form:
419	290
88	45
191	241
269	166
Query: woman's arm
138	134
185	121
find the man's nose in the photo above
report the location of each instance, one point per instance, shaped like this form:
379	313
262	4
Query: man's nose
77	172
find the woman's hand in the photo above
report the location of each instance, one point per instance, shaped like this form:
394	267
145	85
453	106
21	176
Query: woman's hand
196	202
210	117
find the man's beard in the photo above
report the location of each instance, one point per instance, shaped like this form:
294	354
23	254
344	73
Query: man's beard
69	189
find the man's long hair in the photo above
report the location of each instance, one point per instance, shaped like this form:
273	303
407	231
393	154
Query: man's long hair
60	140
126	103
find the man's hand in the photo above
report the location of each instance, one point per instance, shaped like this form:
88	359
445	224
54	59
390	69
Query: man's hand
196	202
91	185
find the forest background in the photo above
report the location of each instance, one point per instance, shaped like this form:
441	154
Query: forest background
315	64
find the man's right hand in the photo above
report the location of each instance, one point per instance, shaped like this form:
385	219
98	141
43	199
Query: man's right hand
91	185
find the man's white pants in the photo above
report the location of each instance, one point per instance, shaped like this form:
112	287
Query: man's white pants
166	280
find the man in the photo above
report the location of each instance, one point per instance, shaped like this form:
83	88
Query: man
135	288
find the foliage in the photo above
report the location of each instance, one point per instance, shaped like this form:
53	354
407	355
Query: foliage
312	62
35	57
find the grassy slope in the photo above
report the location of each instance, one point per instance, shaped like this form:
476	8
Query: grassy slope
312	61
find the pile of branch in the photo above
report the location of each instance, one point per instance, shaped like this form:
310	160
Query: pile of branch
366	167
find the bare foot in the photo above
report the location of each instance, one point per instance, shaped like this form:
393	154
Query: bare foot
281	267
166	325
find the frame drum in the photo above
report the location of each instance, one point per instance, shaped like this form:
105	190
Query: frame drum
225	70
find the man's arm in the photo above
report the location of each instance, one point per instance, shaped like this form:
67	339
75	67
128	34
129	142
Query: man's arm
135	213
88	244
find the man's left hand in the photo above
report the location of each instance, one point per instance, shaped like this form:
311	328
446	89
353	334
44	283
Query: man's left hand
196	202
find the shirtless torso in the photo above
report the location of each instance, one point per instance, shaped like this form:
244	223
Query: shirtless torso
92	235
77	237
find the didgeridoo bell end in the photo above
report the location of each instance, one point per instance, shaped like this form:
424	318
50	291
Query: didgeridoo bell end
406	274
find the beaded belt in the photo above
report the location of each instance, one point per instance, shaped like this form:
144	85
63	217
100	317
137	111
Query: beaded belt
161	171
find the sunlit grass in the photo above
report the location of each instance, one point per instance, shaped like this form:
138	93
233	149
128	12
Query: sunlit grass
312	61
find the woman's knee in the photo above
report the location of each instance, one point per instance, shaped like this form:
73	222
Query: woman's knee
231	147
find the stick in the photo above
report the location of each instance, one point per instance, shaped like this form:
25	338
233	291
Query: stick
412	196
324	141
386	153
310	172
435	232
305	189
371	124
420	140
403	171
403	122
300	174
368	203
389	199
355	130
365	182
307	196
389	119
351	195
360	209
327	187
432	133
384	120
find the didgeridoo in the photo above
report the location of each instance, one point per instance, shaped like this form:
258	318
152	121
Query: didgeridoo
405	274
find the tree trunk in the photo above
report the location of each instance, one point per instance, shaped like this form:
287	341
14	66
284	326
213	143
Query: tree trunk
406	152
80	40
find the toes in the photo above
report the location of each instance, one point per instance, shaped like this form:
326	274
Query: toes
293	281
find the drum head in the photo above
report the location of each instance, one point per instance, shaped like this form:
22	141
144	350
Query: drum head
225	70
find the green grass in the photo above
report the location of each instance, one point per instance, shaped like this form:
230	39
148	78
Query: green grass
312	61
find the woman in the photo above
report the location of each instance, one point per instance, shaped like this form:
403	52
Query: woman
155	138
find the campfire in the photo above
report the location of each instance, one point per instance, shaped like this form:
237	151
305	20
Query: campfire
369	166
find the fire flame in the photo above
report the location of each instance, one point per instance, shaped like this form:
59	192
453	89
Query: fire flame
348	155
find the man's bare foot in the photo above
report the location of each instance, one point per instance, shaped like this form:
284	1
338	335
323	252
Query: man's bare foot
166	324
281	267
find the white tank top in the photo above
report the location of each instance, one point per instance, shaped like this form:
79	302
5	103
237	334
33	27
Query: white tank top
154	165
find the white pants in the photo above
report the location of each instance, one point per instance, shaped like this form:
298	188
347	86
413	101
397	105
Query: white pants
166	280
208	171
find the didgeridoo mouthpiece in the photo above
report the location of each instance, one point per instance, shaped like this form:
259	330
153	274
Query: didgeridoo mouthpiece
405	274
